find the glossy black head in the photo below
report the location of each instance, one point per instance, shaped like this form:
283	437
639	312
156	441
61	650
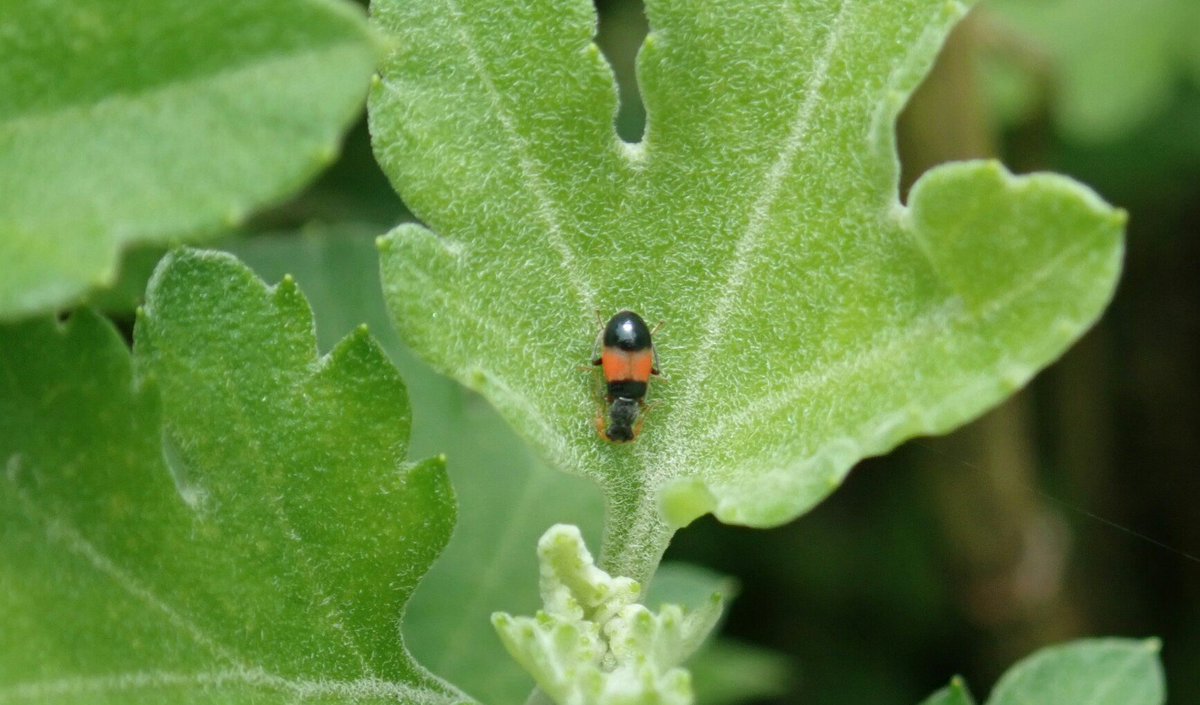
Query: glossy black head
622	416
627	331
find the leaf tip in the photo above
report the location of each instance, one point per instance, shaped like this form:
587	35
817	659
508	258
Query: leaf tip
996	169
1152	645
288	298
430	475
560	536
287	287
104	277
358	342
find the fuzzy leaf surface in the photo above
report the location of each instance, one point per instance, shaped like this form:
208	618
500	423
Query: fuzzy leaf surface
811	318
227	518
506	497
1086	672
149	122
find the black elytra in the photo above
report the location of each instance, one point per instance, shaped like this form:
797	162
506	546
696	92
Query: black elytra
627	331
627	389
627	357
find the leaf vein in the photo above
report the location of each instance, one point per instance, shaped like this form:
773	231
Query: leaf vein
81	547
324	598
933	320
751	239
291	537
535	180
86	110
560	450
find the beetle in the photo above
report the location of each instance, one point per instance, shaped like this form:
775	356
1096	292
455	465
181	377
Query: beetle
625	354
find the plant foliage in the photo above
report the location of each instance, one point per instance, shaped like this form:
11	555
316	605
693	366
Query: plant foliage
224	518
154	121
1084	672
811	318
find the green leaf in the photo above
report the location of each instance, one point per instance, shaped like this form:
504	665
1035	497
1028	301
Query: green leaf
256	544
505	504
124	123
725	672
1113	64
702	593
1084	672
810	318
337	267
506	500
954	694
688	585
1087	672
506	497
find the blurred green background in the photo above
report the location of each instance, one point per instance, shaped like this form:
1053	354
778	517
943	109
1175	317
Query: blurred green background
1070	511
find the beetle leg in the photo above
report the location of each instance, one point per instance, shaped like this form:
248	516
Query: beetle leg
637	426
596	358
600	425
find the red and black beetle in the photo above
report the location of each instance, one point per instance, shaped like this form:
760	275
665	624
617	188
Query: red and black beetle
625	354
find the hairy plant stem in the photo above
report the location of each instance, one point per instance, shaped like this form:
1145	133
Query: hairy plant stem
635	533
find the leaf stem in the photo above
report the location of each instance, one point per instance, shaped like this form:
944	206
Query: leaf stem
635	533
